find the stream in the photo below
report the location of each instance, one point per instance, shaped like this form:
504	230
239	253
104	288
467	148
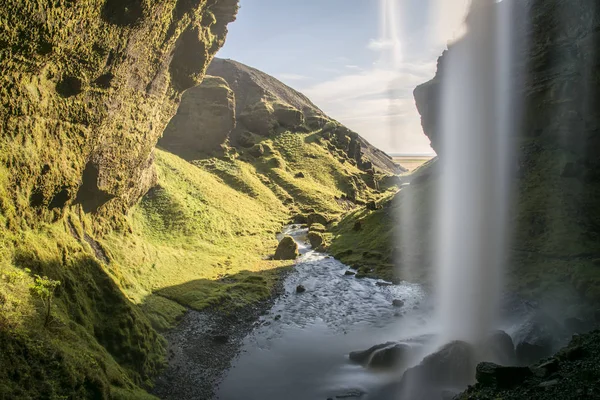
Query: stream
299	349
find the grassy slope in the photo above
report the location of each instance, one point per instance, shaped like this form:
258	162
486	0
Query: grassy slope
198	239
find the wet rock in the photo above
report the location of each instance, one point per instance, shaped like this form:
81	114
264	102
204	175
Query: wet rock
315	239
398	303
287	249
349	273
535	338
576	325
383	284
362	357
222	339
572	353
300	289
549	383
450	366
389	357
493	374
300	219
546	369
528	353
500	348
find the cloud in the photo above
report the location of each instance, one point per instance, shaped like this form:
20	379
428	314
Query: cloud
377	103
292	77
379	44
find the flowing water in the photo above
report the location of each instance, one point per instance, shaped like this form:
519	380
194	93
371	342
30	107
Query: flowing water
300	349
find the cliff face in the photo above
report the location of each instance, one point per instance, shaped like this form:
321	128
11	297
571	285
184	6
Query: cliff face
262	106
86	91
556	215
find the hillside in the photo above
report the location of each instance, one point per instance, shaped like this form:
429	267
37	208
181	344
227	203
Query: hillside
108	240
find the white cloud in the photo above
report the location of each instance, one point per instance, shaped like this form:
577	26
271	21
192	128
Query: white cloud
379	44
292	77
378	103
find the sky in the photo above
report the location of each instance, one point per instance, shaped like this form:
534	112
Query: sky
357	60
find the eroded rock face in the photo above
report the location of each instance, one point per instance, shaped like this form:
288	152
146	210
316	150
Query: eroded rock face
204	120
97	93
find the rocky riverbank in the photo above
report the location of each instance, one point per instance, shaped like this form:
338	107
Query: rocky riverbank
200	349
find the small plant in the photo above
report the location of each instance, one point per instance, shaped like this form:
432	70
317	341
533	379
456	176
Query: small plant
44	288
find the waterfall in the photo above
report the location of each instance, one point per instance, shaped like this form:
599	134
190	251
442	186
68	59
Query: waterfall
472	210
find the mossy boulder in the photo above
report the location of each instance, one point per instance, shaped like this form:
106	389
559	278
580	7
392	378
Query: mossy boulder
315	239
316	227
287	116
257	150
287	249
316	218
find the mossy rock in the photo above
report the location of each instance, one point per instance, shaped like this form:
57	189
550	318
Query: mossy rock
287	249
315	239
277	162
316	227
257	150
316	218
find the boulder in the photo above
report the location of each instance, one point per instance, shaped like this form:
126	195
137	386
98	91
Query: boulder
389	357
315	239
300	289
528	353
362	357
500	348
451	366
299	175
258	118
287	249
398	303
372	205
315	218
246	139
493	374
349	273
257	150
317	228
287	116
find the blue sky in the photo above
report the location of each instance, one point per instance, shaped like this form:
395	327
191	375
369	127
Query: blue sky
357	60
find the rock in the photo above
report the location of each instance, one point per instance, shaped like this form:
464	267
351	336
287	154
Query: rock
572	353
287	249
389	357
357	226
549	383
221	339
287	116
204	120
576	325
299	175
383	284
493	374
372	205
246	139
315	218
300	219
349	273
398	303
451	366
528	353
257	150
363	357
317	228
315	239
546	369
300	289
500	349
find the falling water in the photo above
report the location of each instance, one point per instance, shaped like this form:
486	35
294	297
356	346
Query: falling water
475	152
